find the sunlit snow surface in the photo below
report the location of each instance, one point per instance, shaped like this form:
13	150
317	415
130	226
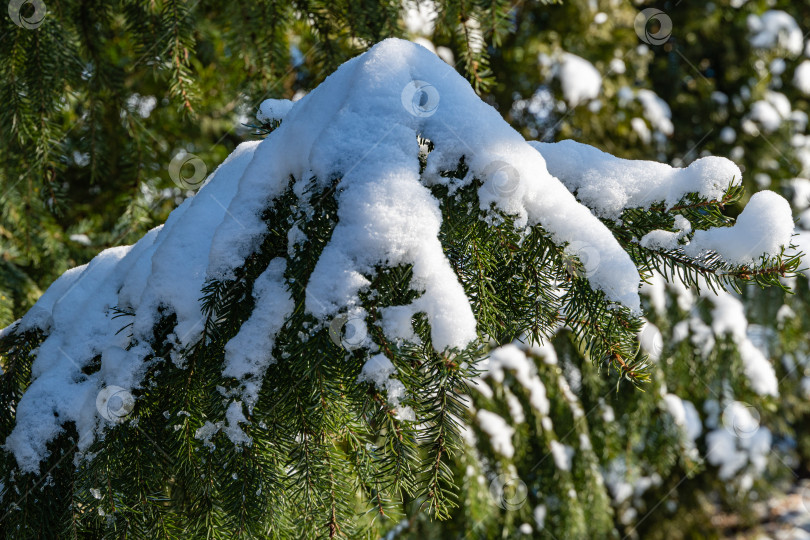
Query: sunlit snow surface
360	126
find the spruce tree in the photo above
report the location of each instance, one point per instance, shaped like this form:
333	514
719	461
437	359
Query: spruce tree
724	78
392	316
98	97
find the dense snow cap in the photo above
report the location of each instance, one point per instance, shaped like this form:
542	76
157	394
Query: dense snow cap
359	127
608	185
165	268
764	227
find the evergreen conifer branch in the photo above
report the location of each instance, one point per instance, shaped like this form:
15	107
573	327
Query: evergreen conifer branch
322	445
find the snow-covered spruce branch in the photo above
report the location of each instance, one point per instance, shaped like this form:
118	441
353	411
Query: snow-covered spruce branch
354	267
675	220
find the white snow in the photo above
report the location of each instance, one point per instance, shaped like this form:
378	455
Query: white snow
420	17
274	109
651	340
562	455
82	239
656	111
500	433
166	268
608	414
766	115
360	126
617	66
769	113
801	77
510	357
233	417
206	432
580	80
655	290
801	193
685	415
616	477
608	185
660	239
758	369
539	515
804	386
694	427
142	105
379	370
641	129
249	352
728	318
483	388
740	441
39	316
515	408
802	242
764	227
775	28
728	135
784	313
